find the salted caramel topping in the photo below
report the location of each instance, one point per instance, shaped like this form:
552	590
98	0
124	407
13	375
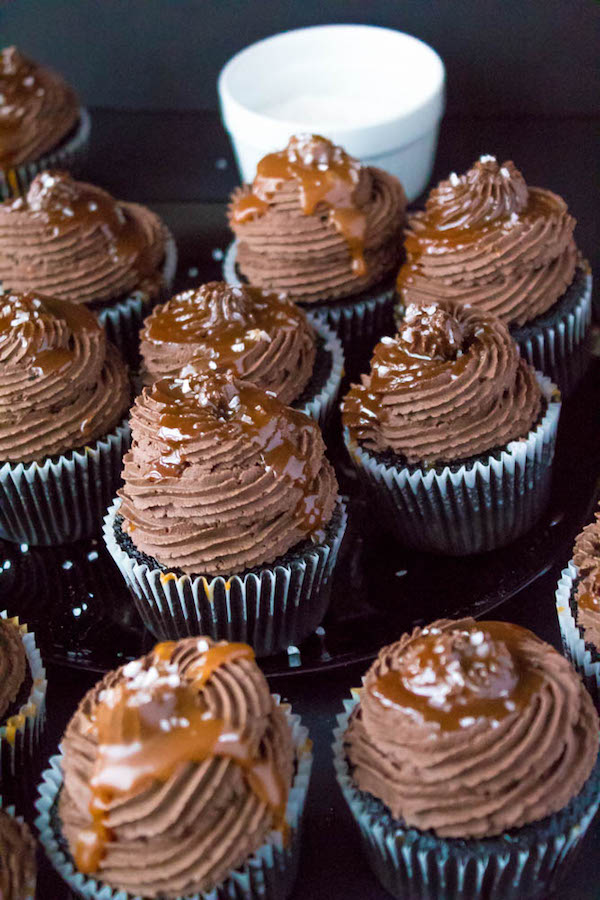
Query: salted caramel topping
327	177
590	601
156	720
456	678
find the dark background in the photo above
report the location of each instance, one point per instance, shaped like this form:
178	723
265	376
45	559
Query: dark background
503	56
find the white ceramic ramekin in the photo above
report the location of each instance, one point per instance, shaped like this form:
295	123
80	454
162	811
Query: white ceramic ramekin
378	93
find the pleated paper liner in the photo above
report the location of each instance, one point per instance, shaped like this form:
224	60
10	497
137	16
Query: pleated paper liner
319	398
270	607
584	657
69	155
63	498
459	510
20	734
522	864
268	874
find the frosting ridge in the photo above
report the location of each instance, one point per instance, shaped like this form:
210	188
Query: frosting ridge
586	556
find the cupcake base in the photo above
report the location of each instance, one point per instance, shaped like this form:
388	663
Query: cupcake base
462	509
521	864
583	656
63	498
557	342
21	733
318	400
359	321
269	607
269	874
68	155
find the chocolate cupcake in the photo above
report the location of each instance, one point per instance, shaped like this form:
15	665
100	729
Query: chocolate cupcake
470	762
488	240
229	522
261	337
73	240
41	122
22	706
18	869
325	229
452	433
64	397
578	607
180	775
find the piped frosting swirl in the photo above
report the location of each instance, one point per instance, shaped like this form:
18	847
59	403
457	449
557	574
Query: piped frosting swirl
37	109
62	385
222	476
17	859
176	768
73	240
450	385
316	223
260	337
471	729
487	239
586	556
13	665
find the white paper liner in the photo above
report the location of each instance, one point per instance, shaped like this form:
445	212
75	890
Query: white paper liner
526	863
268	874
470	510
271	608
11	811
20	734
61	499
66	156
123	320
583	659
321	405
560	350
359	322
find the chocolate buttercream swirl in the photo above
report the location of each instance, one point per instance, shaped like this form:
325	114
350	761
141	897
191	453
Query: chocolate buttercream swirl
13	665
488	240
449	386
62	385
176	768
316	223
586	556
37	109
17	859
471	729
73	240
260	337
222	476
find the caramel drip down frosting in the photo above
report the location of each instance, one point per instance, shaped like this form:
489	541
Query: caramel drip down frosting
37	109
62	385
260	337
586	556
13	665
316	223
487	239
176	768
449	386
471	729
73	240
17	859
222	476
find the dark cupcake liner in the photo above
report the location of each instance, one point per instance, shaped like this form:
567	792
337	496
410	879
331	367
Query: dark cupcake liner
270	607
11	811
522	864
319	399
63	498
20	734
472	508
68	155
122	320
557	342
583	656
359	321
268	874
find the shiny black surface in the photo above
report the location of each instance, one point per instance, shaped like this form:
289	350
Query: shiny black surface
171	163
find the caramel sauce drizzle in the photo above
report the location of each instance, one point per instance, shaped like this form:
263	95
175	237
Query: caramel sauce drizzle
25	313
327	178
145	732
190	410
486	676
588	601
